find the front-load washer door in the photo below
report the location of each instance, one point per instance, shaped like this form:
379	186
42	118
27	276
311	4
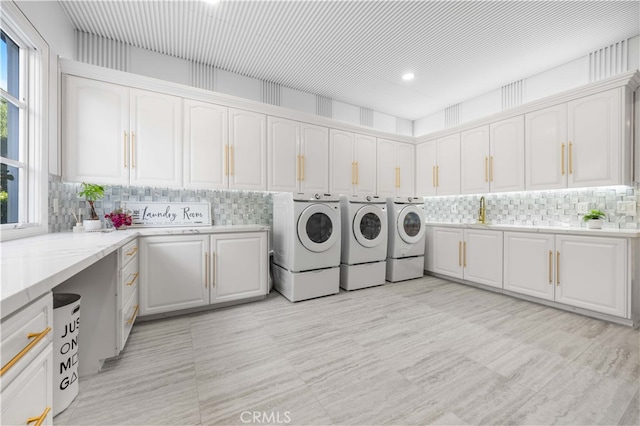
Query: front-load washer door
316	228
410	226
368	225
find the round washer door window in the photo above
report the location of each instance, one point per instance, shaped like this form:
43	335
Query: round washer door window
368	225
316	228
410	226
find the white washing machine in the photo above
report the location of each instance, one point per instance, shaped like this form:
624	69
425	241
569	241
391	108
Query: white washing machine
306	245
405	251
364	241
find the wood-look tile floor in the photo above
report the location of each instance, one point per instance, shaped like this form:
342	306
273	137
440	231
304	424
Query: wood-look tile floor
425	351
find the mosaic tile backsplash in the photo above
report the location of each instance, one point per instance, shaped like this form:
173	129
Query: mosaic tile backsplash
228	207
557	208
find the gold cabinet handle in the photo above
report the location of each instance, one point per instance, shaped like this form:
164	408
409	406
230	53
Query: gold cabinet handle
557	268
226	160
550	268
353	173
459	253
397	177
491	169
36	338
206	270
464	254
135	277
433	176
570	158
213	278
302	164
232	161
486	167
135	314
124	148
133	150
132	251
40	419
357	173
437	176
298	170
562	159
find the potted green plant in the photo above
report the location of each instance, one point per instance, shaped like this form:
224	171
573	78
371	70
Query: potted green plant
92	193
594	219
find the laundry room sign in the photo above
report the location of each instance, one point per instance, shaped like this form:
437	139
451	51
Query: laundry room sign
170	214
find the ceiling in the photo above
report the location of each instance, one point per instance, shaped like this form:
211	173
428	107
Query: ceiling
357	51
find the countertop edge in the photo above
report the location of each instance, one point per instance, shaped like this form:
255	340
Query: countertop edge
605	232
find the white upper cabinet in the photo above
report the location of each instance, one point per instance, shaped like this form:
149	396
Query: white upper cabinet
352	165
546	148
595	143
205	136
426	161
117	135
395	171
438	166
577	144
298	156
156	139
247	151
506	155
474	160
95	132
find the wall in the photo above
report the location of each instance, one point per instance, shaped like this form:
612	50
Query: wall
227	207
556	208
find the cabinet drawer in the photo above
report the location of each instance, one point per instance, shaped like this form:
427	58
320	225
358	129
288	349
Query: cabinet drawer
128	252
30	394
128	316
129	280
26	333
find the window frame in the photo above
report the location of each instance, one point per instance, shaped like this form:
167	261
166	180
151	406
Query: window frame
34	57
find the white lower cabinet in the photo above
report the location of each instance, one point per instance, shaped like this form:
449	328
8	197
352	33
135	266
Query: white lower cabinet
182	272
27	364
470	254
582	271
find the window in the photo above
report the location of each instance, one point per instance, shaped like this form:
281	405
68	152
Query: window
23	124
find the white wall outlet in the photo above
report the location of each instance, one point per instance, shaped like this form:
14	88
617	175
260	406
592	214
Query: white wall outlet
56	207
582	208
454	208
626	207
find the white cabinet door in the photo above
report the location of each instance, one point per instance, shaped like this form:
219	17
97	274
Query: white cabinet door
95	132
406	170
314	152
448	167
595	140
426	161
482	257
529	264
387	175
447	251
283	141
546	148
30	393
247	150
239	266
205	135
342	162
156	139
506	161
474	160
173	273
365	157
592	273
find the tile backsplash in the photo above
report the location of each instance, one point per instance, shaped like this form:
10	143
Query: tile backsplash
228	207
538	208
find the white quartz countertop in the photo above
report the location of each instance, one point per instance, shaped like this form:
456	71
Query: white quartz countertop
605	232
30	267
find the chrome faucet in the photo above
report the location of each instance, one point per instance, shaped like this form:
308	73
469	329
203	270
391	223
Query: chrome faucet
482	217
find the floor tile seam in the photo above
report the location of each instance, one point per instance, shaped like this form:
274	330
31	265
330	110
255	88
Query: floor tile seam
628	406
195	370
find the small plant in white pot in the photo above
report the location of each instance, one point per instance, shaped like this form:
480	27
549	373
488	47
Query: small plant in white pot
92	193
594	219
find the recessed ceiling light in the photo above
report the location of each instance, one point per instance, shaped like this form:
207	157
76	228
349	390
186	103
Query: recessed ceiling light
408	76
